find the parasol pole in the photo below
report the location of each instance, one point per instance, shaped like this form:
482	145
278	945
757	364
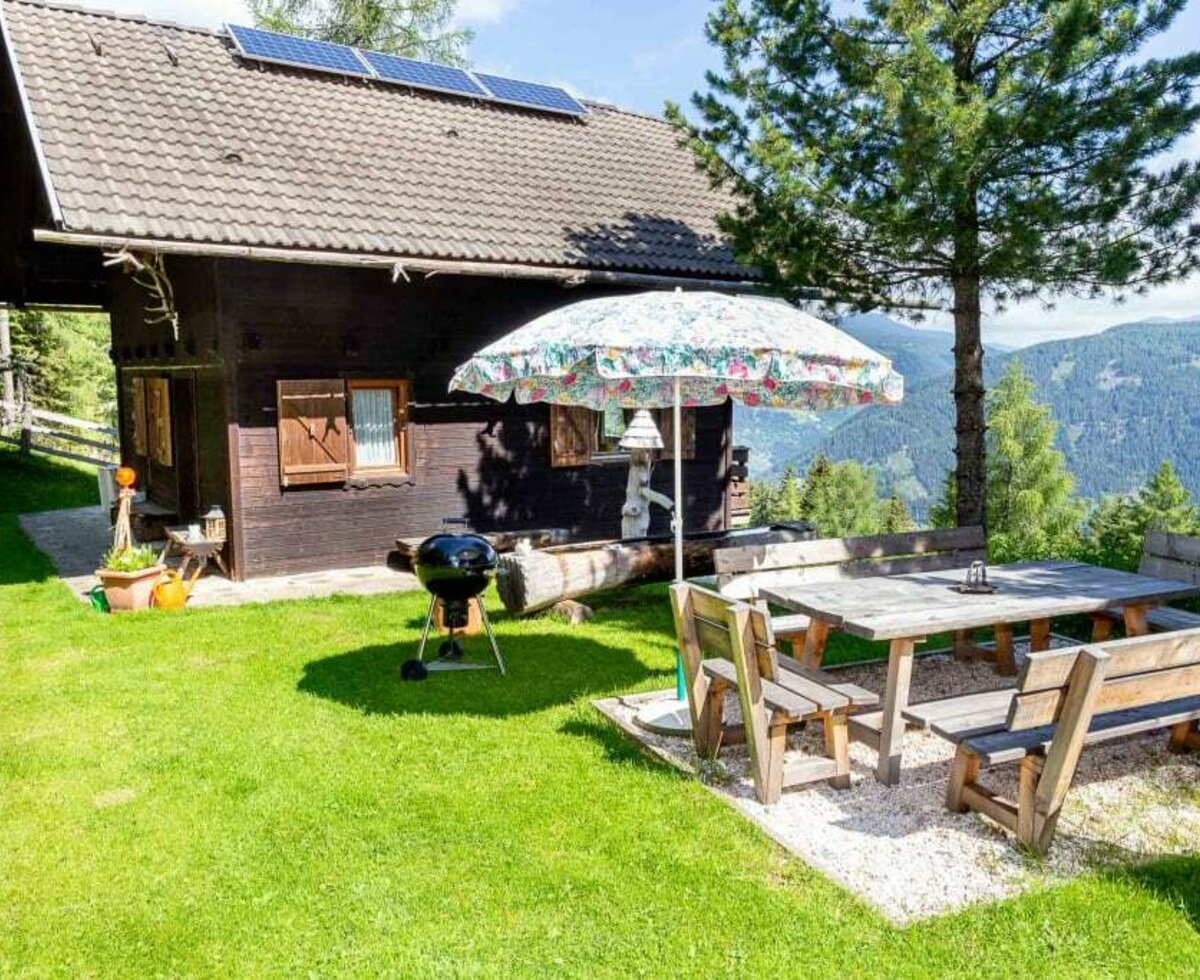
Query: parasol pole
677	520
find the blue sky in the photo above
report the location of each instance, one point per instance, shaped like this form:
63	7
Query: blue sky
638	53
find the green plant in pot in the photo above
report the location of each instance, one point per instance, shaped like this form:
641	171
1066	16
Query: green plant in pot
129	576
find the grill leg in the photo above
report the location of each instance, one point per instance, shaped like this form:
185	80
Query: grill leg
487	625
428	624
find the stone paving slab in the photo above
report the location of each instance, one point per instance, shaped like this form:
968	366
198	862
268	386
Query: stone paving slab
75	539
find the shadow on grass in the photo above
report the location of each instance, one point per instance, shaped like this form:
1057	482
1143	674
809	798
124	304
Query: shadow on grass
544	670
1174	880
618	747
22	563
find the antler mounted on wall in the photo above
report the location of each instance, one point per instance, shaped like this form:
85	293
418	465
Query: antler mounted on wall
149	271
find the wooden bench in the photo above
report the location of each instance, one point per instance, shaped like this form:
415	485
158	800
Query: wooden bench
1064	701
729	644
1170	556
742	572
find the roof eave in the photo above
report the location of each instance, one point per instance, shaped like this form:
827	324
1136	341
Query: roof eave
398	265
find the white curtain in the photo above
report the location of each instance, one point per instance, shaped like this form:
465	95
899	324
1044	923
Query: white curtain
374	427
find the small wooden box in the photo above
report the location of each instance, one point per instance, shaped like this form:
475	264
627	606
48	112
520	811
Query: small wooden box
474	621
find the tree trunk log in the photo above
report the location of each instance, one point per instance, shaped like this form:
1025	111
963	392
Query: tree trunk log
539	579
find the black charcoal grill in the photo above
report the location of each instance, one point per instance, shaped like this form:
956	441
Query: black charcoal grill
455	568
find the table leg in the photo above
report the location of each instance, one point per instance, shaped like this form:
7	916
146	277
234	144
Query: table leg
1135	620
1101	628
1006	665
964	644
1039	635
814	643
895	700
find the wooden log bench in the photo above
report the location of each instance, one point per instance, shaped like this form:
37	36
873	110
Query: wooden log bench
743	571
1064	701
727	644
1170	556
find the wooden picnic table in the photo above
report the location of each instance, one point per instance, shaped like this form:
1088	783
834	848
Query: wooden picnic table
906	609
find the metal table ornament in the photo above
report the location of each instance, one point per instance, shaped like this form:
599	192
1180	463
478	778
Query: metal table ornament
976	581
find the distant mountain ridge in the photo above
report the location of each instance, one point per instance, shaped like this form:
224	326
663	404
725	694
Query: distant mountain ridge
1125	400
776	438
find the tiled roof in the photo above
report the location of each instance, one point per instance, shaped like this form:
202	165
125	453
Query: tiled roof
166	133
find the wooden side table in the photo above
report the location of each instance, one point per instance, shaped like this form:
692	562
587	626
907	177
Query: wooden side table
193	548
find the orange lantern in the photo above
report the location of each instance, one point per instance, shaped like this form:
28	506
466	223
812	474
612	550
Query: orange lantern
125	476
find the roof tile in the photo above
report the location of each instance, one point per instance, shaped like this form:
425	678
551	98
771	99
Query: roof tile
138	147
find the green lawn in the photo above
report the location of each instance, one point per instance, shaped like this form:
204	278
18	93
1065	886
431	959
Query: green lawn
254	791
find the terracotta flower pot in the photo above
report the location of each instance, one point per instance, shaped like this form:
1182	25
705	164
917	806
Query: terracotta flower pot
129	591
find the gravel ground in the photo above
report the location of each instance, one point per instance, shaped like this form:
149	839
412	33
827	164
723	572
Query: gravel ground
899	849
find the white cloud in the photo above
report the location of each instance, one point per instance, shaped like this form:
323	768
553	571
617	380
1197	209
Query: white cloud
189	13
483	11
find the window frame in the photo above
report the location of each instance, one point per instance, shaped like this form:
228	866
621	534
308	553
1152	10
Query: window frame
401	427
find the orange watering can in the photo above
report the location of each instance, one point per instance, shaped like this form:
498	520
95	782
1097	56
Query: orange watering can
172	591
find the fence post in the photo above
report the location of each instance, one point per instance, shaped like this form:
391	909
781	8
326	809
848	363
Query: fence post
25	407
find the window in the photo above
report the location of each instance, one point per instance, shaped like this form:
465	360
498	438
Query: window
330	430
379	426
580	436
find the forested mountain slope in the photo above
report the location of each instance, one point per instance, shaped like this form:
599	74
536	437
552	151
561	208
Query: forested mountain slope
1126	400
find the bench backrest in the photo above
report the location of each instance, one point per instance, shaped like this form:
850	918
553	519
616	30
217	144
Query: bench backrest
1171	556
1069	687
743	571
1131	673
706	626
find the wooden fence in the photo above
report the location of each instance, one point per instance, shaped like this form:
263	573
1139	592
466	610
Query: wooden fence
37	430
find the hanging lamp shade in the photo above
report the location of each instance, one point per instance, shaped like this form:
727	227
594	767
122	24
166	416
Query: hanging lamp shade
641	433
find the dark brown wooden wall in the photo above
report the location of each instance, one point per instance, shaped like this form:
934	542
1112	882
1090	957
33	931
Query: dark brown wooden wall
471	456
199	474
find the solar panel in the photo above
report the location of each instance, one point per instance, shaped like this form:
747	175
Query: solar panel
301	52
531	95
423	74
286	49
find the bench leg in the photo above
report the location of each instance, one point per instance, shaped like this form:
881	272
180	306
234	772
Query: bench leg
1184	736
770	787
837	747
963	772
1006	665
1027	778
707	735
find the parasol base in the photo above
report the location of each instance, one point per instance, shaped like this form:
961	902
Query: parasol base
669	717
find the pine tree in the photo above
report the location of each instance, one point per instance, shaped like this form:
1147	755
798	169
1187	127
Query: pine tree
412	28
944	512
970	151
63	362
841	499
894	517
1032	508
1116	529
1164	504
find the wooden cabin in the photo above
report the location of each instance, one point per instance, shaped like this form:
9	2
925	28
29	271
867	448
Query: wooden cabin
294	262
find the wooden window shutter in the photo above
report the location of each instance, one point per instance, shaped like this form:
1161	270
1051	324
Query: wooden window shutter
158	414
314	445
572	435
137	413
666	427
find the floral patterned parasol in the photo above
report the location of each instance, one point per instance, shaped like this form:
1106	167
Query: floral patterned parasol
628	350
